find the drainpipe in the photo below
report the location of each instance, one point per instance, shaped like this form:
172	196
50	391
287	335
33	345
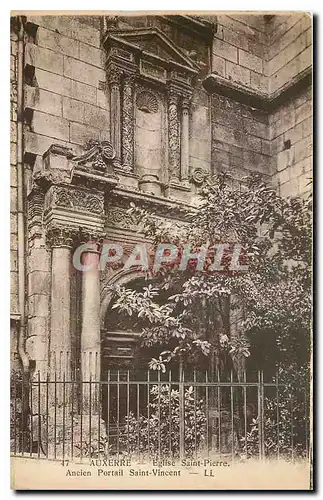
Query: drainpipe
20	195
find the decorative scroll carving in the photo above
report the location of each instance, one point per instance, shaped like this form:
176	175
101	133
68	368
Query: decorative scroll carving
121	218
78	199
128	123
198	175
173	136
147	102
99	157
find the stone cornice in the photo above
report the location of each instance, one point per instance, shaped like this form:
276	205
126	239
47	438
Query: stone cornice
163	206
215	84
194	25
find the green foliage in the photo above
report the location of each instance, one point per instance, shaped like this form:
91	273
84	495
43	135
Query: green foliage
159	433
272	300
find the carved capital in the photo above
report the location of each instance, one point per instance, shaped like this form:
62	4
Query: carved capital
173	97
61	236
114	75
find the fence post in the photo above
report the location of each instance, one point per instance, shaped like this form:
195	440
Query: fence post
181	411
261	430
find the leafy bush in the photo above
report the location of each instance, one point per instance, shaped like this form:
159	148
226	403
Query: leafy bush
159	434
286	435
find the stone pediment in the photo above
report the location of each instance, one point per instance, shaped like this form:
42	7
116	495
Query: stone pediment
152	43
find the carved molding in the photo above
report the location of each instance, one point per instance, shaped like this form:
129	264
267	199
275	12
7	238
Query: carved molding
128	123
198	176
119	217
99	157
173	136
77	199
146	101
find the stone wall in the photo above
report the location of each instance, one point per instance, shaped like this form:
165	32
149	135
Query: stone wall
290	55
239	50
240	134
289	48
66	85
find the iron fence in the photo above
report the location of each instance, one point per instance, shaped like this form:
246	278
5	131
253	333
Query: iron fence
155	414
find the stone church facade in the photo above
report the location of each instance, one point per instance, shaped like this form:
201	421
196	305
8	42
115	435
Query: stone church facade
106	111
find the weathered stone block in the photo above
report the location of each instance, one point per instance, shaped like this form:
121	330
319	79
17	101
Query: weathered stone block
303	148
256	128
259	82
38	282
284	175
38	305
57	42
290	188
39	260
42	100
82	92
235	38
83	72
102	99
250	61
73	110
13	223
285	158
200	149
36	343
265	147
52	82
53	126
13	260
225	50
237	73
13	241
305	59
305	183
96	117
13	176
218	65
38	144
307	127
295	134
80	134
92	55
303	112
43	58
13	131
253	143
13	153
285	39
13	199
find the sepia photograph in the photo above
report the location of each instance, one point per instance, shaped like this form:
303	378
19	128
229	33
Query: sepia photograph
161	250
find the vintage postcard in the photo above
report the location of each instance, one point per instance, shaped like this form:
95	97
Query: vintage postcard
161	244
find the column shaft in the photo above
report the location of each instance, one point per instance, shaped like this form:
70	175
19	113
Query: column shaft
128	123
173	138
90	335
60	337
116	117
185	142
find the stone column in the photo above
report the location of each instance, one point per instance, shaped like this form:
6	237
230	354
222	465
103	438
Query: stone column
185	139
61	242
115	109
173	137
128	123
90	334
